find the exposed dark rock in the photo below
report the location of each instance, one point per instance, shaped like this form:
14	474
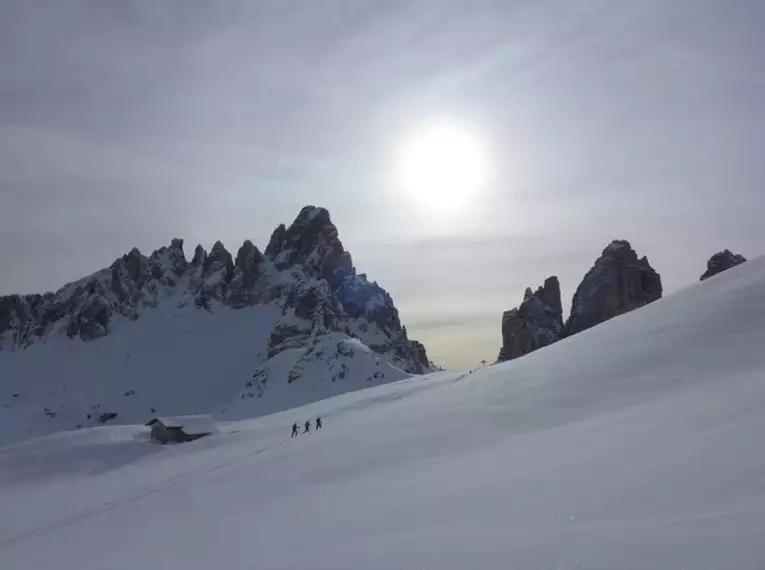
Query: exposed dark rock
307	305
618	283
171	257
362	298
129	274
200	256
722	261
18	314
91	320
537	322
210	274
219	261
107	416
248	260
312	241
286	336
413	351
276	242
133	263
245	274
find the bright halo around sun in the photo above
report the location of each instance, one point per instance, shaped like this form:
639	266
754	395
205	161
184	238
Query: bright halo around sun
442	168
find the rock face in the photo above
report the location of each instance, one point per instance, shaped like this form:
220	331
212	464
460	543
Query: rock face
722	261
305	271
327	294
312	242
246	272
537	322
618	283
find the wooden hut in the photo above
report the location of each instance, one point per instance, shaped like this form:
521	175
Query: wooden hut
178	429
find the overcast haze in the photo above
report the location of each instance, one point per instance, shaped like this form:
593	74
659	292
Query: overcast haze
129	123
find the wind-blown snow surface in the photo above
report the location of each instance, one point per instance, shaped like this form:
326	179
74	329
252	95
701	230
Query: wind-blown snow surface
635	445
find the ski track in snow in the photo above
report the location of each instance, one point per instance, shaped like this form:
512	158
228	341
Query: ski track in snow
141	494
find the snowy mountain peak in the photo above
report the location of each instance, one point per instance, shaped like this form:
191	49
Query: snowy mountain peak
302	295
312	241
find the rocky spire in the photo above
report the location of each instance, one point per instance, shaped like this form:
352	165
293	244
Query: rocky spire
246	271
618	283
133	263
312	241
722	261
219	261
248	260
168	263
210	274
128	274
200	257
276	242
537	322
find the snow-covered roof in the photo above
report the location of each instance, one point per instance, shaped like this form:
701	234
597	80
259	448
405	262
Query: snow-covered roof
191	425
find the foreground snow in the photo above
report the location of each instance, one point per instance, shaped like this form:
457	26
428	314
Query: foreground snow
632	445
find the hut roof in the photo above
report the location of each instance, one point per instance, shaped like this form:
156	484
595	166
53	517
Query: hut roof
191	425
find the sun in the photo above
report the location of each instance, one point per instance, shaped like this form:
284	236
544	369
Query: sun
442	167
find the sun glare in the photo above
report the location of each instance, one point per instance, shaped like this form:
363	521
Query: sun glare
442	168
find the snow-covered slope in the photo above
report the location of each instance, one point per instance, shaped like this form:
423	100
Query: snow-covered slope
635	444
237	337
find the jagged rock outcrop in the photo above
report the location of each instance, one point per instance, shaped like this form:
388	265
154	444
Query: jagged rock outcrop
217	271
91	319
537	322
277	240
312	241
219	262
200	257
245	274
305	270
20	318
325	291
618	283
722	261
172	258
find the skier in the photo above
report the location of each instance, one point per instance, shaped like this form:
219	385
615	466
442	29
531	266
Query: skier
307	426
318	424
294	430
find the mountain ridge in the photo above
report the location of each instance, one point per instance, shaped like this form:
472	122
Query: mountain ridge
134	282
298	314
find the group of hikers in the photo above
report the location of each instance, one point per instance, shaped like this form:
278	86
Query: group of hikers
306	427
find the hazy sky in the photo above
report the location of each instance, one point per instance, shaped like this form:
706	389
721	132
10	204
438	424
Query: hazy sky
128	123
